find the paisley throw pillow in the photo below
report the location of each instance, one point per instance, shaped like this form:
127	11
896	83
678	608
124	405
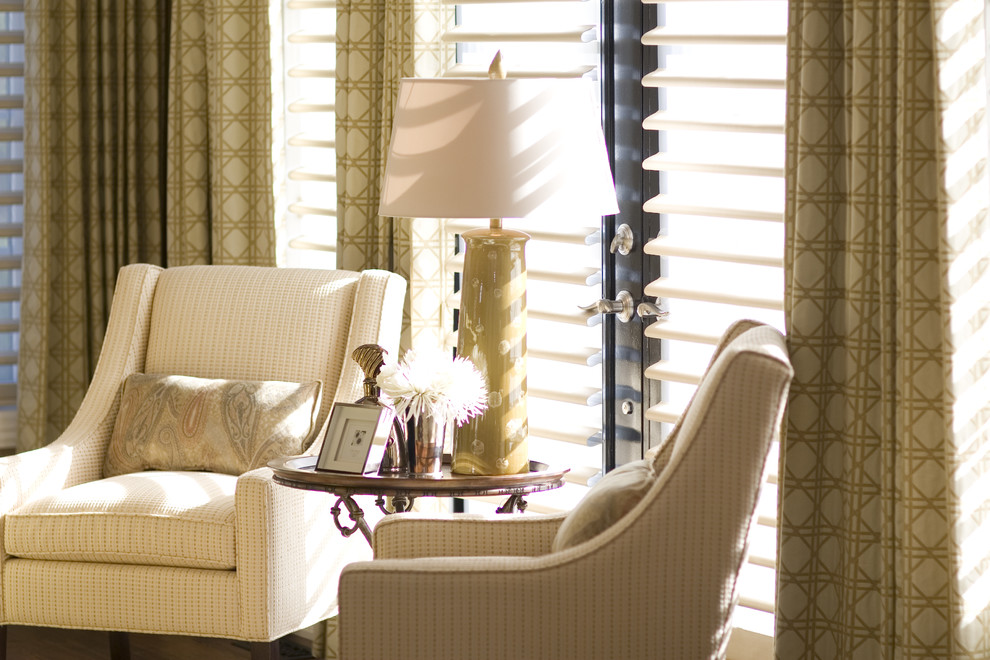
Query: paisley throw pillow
228	426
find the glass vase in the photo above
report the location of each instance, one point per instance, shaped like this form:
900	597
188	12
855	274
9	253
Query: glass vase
427	447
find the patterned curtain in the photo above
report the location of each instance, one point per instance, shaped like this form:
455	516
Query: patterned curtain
378	43
885	502
147	139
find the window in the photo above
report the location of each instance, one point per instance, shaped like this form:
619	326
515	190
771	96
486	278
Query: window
307	206
720	105
11	207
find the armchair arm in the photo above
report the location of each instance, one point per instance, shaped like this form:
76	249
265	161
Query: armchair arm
77	455
287	546
483	608
462	535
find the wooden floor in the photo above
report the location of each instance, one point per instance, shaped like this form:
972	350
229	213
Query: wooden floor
50	643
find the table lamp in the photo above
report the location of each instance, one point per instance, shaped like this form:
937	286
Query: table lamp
496	148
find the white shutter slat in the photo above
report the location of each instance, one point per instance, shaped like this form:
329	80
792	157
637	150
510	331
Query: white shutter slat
566	393
304	106
311	4
469	71
661	36
303	37
308	140
311	243
674	205
665	370
665	163
567	34
586	355
664	79
312	72
306	209
759	604
664	287
306	174
664	120
12	134
676	329
573	434
11	101
757	255
663	412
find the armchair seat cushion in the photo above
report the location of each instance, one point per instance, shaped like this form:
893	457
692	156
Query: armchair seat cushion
183	519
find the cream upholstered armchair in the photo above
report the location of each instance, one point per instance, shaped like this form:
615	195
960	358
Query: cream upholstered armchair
194	552
644	567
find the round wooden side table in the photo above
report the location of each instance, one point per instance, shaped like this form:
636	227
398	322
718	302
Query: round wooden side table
301	472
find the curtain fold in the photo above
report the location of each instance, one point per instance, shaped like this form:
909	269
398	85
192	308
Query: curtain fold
883	500
378	43
147	139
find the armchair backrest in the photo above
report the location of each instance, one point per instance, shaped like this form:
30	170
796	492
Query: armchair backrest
679	551
287	324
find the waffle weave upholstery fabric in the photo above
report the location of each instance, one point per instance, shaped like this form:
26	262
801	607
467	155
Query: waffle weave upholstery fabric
659	583
204	554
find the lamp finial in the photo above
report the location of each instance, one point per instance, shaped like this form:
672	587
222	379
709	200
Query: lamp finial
495	70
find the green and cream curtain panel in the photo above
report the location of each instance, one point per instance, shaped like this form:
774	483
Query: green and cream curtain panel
885	493
147	139
378	43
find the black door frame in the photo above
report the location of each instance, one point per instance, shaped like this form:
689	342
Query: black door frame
627	393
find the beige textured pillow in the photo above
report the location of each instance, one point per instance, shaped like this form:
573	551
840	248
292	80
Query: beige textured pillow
610	499
229	426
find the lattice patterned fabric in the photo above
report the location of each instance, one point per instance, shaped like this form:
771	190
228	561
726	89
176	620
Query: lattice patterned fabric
207	156
659	583
882	526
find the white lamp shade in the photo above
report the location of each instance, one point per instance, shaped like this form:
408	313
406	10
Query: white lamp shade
479	148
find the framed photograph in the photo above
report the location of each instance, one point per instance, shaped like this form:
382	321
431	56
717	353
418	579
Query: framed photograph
355	439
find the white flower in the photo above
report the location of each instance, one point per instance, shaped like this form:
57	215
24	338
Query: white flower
434	383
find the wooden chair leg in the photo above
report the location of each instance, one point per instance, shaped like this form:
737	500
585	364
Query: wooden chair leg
120	645
3	642
262	650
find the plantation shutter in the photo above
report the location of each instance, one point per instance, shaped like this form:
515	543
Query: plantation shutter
556	39
307	203
720	87
11	207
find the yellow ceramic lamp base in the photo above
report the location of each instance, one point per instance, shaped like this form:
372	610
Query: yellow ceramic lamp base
492	333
